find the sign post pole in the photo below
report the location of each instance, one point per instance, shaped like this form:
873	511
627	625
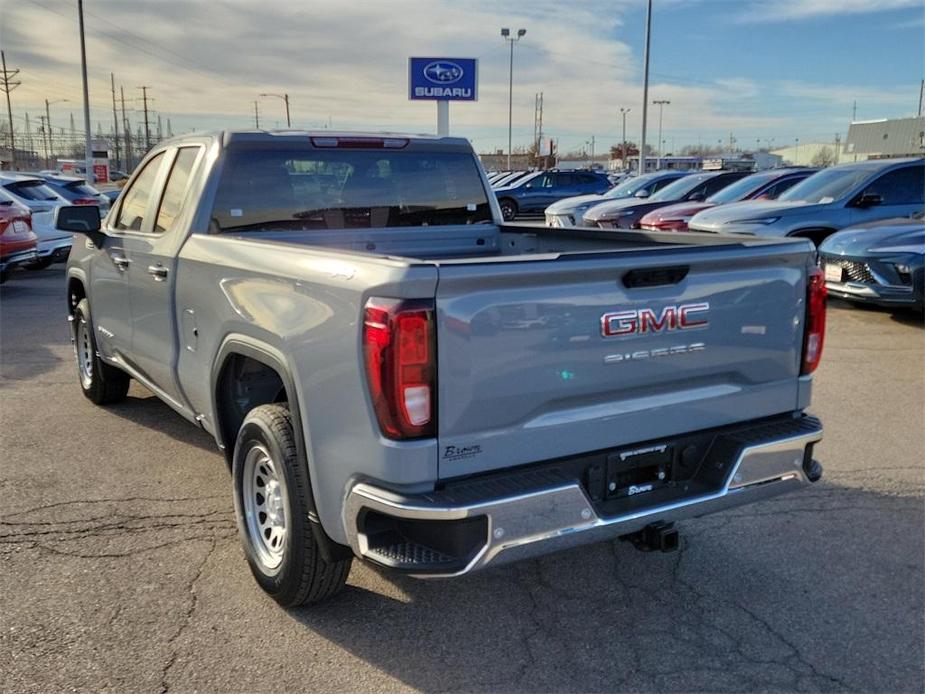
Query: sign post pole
443	118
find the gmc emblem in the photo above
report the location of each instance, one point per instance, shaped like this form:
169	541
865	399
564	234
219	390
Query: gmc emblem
645	320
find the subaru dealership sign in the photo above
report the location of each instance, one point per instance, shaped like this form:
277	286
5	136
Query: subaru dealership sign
443	79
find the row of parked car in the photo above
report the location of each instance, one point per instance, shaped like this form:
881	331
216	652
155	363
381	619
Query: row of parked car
27	204
865	217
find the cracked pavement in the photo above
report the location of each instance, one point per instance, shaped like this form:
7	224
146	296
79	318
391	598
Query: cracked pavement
120	569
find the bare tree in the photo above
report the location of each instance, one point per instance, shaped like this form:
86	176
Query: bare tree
824	157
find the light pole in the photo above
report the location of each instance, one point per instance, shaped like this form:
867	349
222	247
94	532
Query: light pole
506	33
88	149
50	149
256	117
796	151
285	98
660	103
645	89
623	112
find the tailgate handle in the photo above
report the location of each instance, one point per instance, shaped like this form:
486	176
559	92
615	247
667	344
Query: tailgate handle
655	276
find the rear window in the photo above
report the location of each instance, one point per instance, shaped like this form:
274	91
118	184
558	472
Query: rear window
33	190
273	188
82	189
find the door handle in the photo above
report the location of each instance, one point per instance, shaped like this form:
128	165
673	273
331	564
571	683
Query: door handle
121	262
158	272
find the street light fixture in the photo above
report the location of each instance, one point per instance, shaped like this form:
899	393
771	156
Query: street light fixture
506	34
623	112
285	98
50	149
660	103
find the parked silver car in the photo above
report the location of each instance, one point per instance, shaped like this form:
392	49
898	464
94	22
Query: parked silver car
53	244
827	201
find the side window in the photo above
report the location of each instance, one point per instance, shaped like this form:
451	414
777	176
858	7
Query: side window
541	181
775	190
900	187
135	199
565	179
659	184
714	185
176	188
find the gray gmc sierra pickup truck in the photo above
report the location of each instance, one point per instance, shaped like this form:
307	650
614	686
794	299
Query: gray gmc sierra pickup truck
395	374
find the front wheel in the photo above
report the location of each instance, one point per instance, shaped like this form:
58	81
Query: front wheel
508	209
101	383
271	499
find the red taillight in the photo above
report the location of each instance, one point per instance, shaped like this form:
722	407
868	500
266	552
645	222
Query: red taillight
814	331
398	348
85	201
361	142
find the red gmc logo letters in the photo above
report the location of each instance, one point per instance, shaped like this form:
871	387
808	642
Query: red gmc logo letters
645	320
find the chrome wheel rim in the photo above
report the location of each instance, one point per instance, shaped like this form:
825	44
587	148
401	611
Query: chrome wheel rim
266	506
84	347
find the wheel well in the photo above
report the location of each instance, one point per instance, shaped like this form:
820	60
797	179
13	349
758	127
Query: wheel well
816	235
243	384
75	294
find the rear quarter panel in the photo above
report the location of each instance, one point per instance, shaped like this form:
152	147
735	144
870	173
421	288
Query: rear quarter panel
305	304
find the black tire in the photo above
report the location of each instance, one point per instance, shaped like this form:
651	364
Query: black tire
508	209
40	264
101	383
4	276
301	575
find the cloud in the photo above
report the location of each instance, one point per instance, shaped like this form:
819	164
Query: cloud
786	10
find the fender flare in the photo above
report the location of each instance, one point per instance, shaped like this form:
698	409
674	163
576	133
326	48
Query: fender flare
275	359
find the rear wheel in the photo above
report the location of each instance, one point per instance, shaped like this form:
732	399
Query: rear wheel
101	383
40	264
508	209
271	495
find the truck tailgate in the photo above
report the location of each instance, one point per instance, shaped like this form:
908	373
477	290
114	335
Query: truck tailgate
539	359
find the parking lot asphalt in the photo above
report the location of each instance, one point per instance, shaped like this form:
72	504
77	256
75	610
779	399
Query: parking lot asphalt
120	569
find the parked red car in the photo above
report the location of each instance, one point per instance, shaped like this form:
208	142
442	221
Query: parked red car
764	185
17	242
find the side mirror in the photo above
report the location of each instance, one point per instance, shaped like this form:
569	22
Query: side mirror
869	200
80	219
641	193
697	197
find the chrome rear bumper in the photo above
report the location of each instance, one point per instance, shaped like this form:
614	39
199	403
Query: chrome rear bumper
555	518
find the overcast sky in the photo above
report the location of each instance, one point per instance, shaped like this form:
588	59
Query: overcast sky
784	69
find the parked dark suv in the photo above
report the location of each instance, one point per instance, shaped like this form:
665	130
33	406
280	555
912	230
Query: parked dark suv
537	191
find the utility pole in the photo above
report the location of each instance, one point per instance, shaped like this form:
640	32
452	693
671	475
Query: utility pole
144	99
44	140
645	88
29	137
623	112
921	96
127	129
9	84
854	112
660	103
592	151
88	149
160	128
285	98
837	146
256	117
115	120
506	34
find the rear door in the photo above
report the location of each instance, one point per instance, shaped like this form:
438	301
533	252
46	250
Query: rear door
541	359
152	274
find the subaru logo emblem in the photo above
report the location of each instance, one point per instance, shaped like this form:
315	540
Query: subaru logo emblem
443	72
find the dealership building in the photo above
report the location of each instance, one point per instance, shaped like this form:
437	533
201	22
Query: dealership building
885	139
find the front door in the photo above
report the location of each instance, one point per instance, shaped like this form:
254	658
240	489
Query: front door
152	277
901	191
